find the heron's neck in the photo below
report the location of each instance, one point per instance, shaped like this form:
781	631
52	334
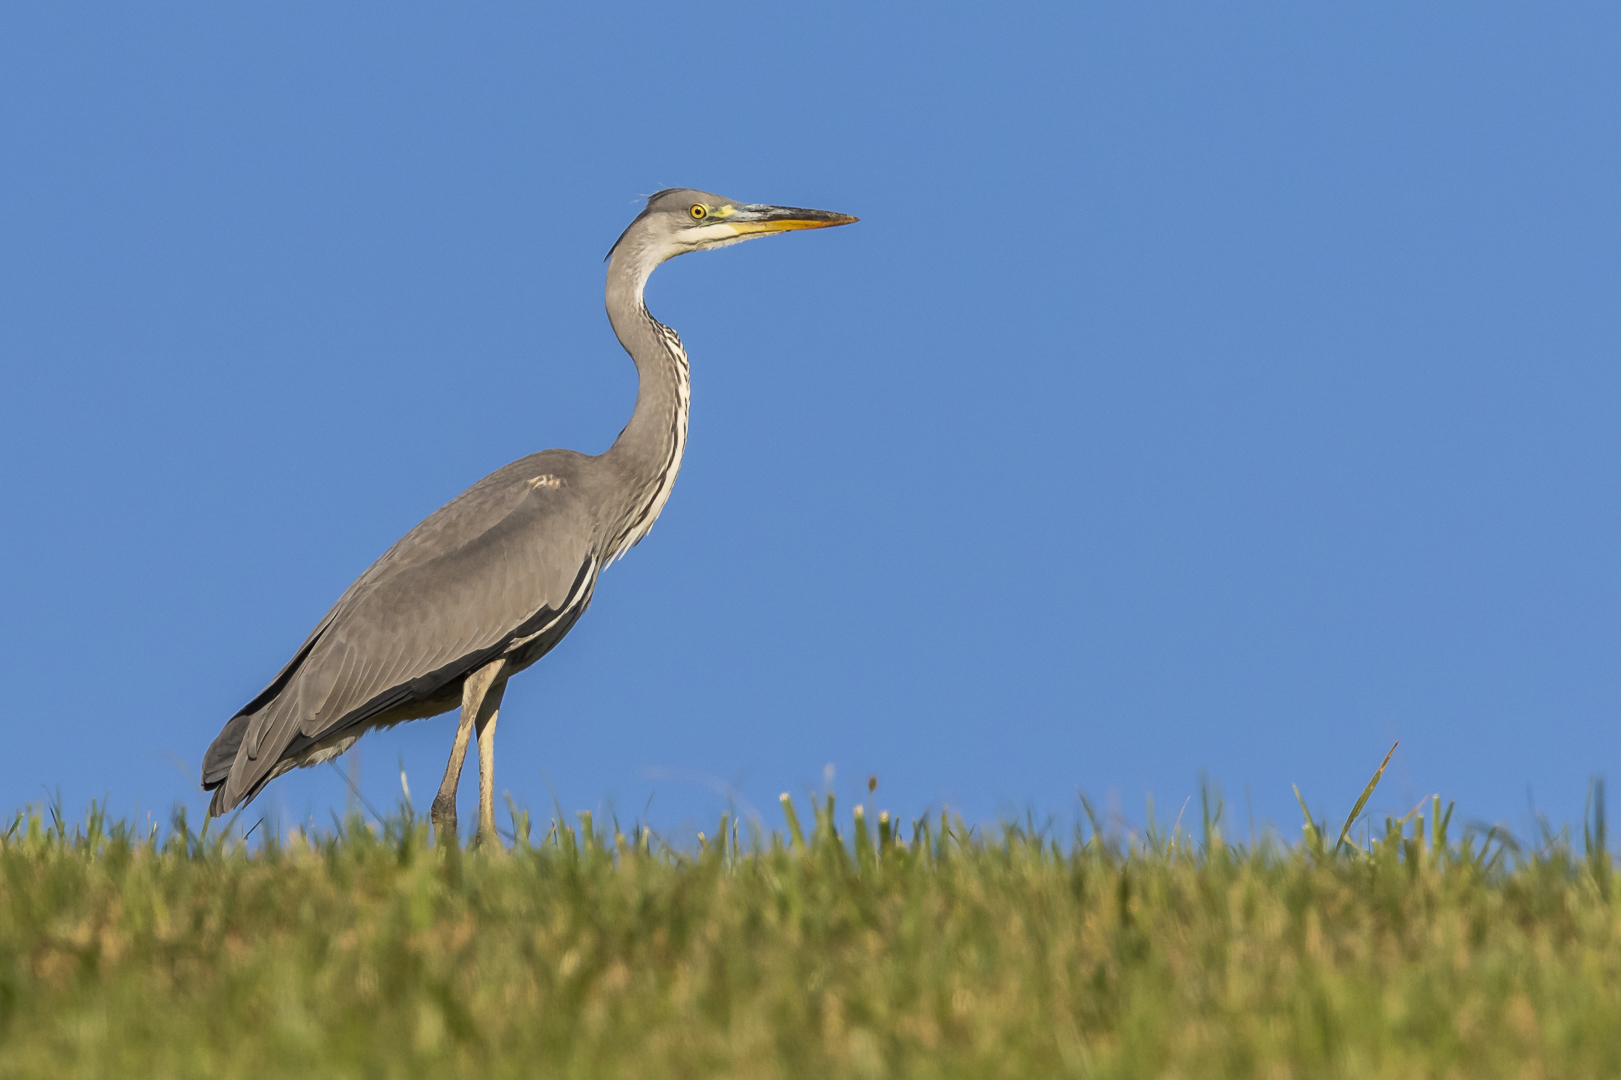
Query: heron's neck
647	455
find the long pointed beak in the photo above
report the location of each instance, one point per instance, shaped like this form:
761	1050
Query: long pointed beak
754	218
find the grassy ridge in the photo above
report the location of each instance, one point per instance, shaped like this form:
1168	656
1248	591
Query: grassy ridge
941	954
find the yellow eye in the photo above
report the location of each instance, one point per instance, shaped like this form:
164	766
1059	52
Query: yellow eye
698	212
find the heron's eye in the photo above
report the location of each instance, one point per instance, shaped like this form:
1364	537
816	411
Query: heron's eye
698	212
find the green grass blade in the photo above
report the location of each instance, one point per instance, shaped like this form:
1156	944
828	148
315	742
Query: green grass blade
1366	793
1314	839
794	830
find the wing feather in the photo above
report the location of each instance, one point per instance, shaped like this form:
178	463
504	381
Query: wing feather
449	596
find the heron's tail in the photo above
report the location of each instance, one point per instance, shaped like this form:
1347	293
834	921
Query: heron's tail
217	762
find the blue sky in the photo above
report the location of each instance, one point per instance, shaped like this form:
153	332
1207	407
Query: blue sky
1203	391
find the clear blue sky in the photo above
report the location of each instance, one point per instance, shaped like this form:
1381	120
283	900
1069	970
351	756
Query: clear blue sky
1229	390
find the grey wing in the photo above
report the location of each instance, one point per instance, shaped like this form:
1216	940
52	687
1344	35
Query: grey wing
511	558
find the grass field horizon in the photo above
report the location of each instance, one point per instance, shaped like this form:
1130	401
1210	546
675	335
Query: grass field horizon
1107	821
841	946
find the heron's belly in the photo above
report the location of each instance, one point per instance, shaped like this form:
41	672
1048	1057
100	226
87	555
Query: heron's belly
518	655
525	651
334	745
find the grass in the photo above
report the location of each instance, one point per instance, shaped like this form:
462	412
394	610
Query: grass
1410	949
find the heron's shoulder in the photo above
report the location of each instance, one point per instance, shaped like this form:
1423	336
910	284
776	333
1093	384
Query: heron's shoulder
549	470
504	499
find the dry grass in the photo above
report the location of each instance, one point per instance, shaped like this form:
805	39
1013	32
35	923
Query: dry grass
366	952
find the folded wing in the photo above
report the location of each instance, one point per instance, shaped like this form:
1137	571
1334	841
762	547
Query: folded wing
506	559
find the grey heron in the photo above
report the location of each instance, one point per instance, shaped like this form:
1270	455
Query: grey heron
491	581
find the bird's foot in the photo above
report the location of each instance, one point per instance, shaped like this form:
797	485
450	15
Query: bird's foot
443	816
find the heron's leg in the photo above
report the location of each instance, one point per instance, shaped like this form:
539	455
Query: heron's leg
444	803
474	690
487	716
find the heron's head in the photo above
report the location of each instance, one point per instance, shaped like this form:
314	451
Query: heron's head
679	220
